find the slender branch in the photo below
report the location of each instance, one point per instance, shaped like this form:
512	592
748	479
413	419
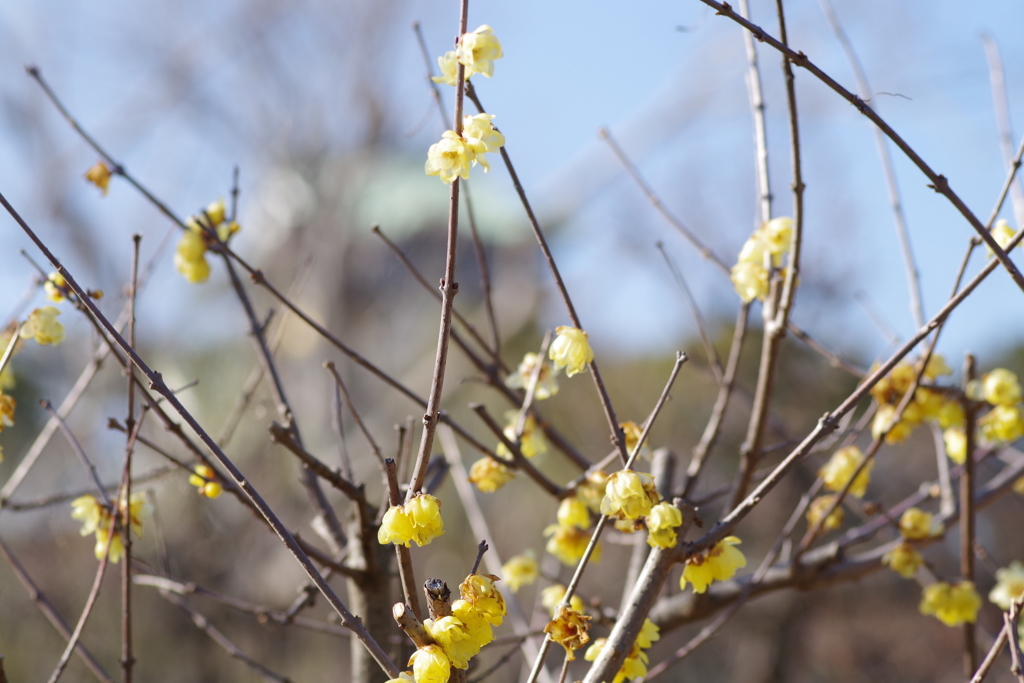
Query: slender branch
756	98
284	436
938	182
77	448
1003	125
127	658
60	498
967	512
698	319
992	656
355	415
519	461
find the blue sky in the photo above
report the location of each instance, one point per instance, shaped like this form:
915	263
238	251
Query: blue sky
665	76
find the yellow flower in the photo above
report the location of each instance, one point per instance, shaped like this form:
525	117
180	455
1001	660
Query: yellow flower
817	509
1009	585
451	635
635	665
480	137
569	543
532	441
904	560
633	432
216	211
591	491
840	468
396	527
90	512
1000	387
551	597
479	590
937	367
1002	233
521	570
547	386
430	665
952	605
883	421
1002	424
661	525
750	280
450	158
569	629
629	495
570	350
424	513
56	287
778	234
489	475
754	250
205	479
718	564
448	63
956	445
916	524
478	628
7	406
478	50
190	256
649	634
951	415
43	326
99	175
573	512
116	544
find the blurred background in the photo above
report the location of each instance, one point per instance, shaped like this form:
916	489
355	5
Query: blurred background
325	110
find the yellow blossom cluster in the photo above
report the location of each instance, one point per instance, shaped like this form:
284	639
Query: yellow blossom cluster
1004	423
459	637
840	469
98	518
629	495
56	287
201	232
418	520
761	254
917	524
568	539
661	525
1009	585
635	665
717	564
532	441
633	432
927	405
455	154
489	475
547	383
205	480
476	50
521	570
570	350
951	604
904	560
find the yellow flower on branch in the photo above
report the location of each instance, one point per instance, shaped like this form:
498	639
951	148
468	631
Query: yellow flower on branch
1002	233
205	479
750	280
904	560
570	350
476	625
629	495
1009	585
450	158
56	287
817	509
569	629
448	63
573	512
649	634
633	432
569	544
521	570
840	468
451	634
552	596
917	524
1002	424
430	665
532	441
547	386
99	175
489	475
1000	387
956	445
951	604
717	564
477	50
479	591
418	520
42	326
661	525
481	137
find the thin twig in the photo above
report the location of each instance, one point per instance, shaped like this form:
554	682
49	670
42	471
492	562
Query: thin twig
967	512
355	414
755	96
127	658
992	656
77	448
1003	125
698	319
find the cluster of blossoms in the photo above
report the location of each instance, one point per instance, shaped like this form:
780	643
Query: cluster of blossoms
98	518
760	256
835	475
952	604
928	404
457	152
569	537
417	520
521	570
201	233
632	498
205	480
459	637
914	525
1004	423
635	665
489	474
